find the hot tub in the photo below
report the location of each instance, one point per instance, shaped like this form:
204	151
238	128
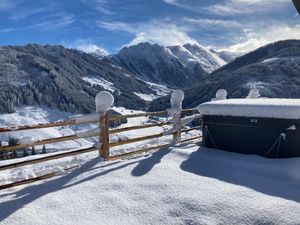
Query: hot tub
265	127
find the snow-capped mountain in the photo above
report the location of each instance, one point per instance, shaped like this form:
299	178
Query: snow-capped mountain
67	79
174	66
273	69
99	53
225	55
93	50
193	53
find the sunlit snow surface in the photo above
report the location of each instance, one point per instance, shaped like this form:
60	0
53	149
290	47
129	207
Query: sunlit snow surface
30	115
279	108
185	184
107	85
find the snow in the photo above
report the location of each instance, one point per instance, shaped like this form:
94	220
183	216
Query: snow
220	95
176	102
136	121
88	133
146	97
91	117
253	93
175	111
27	140
274	59
188	119
107	85
185	184
189	54
256	85
281	59
35	170
261	107
29	115
161	90
104	101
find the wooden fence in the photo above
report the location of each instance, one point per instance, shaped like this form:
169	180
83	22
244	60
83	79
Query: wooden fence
103	134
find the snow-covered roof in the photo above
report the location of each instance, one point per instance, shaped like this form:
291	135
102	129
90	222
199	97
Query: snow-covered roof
261	107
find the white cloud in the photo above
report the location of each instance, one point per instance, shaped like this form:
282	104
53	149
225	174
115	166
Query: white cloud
101	6
54	21
255	39
18	15
91	48
170	1
160	32
181	4
116	25
87	46
212	22
5	30
7	5
231	7
259	2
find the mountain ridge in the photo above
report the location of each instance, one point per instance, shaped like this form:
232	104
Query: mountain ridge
177	66
68	79
53	76
273	69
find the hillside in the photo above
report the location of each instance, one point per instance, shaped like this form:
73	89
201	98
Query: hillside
186	184
62	78
273	69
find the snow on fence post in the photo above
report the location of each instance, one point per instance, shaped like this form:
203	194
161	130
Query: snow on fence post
104	101
175	110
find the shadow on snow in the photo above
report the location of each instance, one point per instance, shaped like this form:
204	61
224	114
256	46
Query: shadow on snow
276	177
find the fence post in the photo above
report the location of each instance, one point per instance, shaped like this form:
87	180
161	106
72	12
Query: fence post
177	135
104	101
104	150
176	108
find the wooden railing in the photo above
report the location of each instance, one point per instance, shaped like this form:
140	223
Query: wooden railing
104	148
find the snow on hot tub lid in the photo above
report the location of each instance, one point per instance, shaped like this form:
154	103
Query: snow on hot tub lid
279	108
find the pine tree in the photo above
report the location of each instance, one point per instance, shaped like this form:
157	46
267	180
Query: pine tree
33	152
44	149
24	152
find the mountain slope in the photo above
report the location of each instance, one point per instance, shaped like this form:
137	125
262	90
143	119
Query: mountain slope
62	78
273	69
174	66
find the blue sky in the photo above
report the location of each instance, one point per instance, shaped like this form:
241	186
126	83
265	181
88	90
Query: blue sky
233	25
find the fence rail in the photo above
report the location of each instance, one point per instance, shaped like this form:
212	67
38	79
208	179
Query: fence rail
103	135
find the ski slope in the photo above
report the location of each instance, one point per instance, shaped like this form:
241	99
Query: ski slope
185	184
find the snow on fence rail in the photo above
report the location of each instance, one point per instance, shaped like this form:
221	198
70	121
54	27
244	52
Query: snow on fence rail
102	118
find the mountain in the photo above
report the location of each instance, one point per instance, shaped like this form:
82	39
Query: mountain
99	53
226	55
65	79
93	50
173	66
273	69
68	79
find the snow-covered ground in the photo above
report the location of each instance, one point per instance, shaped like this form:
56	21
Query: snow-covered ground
107	85
146	97
29	115
160	89
143	132
186	184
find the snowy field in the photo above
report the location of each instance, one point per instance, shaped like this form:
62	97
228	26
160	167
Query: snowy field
186	184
